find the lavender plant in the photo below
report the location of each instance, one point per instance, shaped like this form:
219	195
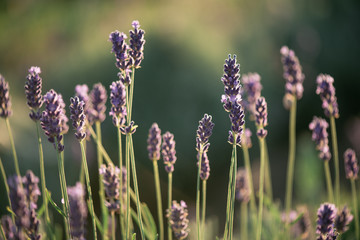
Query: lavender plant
325	220
178	220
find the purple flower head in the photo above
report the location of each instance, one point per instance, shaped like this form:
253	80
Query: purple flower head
52	118
178	219
246	140
168	151
342	220
204	132
326	90
302	226
292	72
120	48
351	164
78	117
124	77
205	166
320	137
63	118
252	87
78	210
137	42
154	142
82	92
8	227
243	190
98	99
118	103
261	117
5	103
111	183
325	219
33	87
128	130
31	187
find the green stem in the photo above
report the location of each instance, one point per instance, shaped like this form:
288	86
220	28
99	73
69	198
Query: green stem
131	96
244	227
87	178
261	188
113	235
2	232
6	186
268	184
203	211
16	162
121	215
355	202
198	229
169	203
291	161
99	148
158	199
127	163
336	160
229	196
82	174
328	182
231	226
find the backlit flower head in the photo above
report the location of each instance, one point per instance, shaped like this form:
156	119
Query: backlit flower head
120	48
325	219
320	137
246	139
252	87
342	220
154	142
33	88
205	166
111	184
351	164
168	151
137	43
243	190
118	103
261	117
5	103
326	90
98	99
204	132
178	219
78	117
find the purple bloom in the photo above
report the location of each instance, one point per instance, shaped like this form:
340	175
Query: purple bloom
124	77
82	92
131	129
252	87
325	219
111	183
178	219
302	226
120	48
243	190
292	72
63	118
78	117
33	87
320	137
31	186
137	42
342	220
98	99
168	151
326	90
10	230
261	116
205	166
203	133
118	103
78	210
154	142
246	140
52	118
5	103
351	164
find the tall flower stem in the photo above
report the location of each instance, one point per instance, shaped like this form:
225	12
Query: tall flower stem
6	186
336	160
231	225
87	178
113	233
355	202
121	215
268	183
158	199
104	210
291	160
261	188
131	95
16	162
244	223
169	203
328	182
198	228
82	174
127	163
203	211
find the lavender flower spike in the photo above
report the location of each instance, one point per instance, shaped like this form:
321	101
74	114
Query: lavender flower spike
292	73
137	43
243	190
118	103
111	183
325	219
326	90
154	142
78	117
205	166
247	138
320	137
78	210
98	99
203	133
82	92
5	103
63	118
168	151
342	220
51	118
120	49
351	164
33	87
261	116
252	87
178	218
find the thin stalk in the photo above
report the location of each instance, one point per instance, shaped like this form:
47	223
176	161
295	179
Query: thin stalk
158	199
291	160
231	226
268	183
87	177
336	160
261	188
127	163
82	174
16	162
169	203
328	182
131	95
2	232
121	215
198	229
100	147
136	188
355	202
244	216
203	211
113	235
6	187
104	210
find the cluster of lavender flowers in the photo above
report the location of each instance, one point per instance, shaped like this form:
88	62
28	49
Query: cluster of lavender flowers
242	186
203	134
252	87
33	89
5	103
178	218
326	90
168	151
261	117
154	142
112	185
320	137
351	164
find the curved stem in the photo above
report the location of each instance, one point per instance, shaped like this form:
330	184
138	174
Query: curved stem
16	162
244	227
169	203
203	209
261	188
6	187
198	229
328	182
158	199
356	213
336	160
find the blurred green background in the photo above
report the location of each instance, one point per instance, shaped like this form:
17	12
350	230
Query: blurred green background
186	44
